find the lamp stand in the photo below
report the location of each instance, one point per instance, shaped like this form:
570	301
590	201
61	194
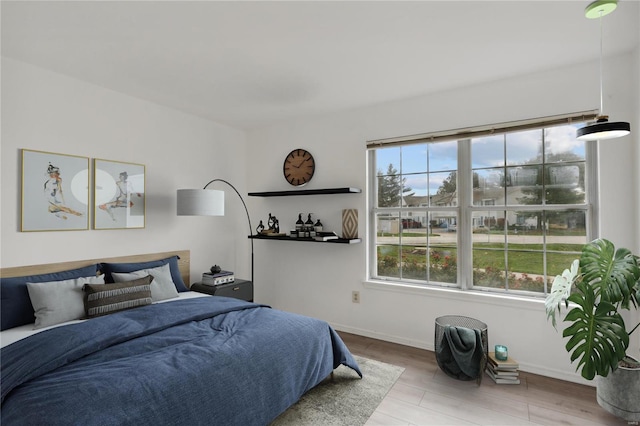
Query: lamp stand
246	211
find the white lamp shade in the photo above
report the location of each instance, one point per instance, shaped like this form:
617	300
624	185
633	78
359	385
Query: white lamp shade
200	202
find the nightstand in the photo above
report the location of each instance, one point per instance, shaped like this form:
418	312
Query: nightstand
240	289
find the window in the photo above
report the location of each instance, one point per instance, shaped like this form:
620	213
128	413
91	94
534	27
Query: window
482	210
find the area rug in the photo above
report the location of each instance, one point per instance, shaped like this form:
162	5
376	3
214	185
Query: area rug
344	400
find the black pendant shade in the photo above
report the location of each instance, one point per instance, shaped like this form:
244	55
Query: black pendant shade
603	129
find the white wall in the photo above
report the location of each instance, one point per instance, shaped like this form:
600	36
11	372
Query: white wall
45	111
635	128
317	279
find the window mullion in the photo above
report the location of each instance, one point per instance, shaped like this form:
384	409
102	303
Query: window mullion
464	187
593	201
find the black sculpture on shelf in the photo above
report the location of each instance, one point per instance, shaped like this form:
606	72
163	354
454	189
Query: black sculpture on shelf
273	226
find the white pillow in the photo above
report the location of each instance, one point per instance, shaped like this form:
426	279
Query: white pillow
162	286
55	302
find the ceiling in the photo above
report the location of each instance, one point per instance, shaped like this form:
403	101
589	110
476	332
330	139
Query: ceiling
249	64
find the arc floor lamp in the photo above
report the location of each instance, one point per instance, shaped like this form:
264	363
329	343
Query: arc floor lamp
209	202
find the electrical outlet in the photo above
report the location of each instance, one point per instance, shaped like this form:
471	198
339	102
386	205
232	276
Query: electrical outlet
355	296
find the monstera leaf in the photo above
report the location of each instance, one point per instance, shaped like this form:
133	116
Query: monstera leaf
612	273
598	337
560	291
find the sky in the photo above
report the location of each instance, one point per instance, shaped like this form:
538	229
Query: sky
440	159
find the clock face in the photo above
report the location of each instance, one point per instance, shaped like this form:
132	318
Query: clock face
298	167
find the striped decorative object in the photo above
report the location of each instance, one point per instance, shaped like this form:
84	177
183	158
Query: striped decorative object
350	223
109	298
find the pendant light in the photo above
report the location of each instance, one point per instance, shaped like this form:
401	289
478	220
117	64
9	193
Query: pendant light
602	128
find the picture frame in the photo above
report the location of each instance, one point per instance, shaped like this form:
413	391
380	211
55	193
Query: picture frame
118	195
55	192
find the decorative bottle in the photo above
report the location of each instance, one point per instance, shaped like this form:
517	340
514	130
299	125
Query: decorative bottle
308	227
300	227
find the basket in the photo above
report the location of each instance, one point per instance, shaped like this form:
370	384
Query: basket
459	321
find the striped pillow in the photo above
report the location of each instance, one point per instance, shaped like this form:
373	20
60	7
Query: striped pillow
109	298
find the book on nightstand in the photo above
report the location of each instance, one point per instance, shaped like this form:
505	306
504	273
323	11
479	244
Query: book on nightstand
222	277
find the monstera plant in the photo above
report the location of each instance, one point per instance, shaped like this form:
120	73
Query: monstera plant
596	288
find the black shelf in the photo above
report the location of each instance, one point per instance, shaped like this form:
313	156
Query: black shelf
310	240
322	191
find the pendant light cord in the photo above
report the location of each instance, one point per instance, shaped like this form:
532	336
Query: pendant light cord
601	90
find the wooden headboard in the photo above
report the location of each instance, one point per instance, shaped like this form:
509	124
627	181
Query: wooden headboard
184	263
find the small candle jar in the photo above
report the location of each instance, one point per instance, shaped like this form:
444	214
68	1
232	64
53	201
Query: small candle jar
501	352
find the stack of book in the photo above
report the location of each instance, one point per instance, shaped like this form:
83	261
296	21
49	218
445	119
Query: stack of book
503	372
222	277
326	236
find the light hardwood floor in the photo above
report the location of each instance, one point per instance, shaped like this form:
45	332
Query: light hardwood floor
424	395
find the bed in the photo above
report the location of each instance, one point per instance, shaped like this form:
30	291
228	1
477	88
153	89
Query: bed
186	358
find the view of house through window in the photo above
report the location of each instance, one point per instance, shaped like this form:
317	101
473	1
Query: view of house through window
501	212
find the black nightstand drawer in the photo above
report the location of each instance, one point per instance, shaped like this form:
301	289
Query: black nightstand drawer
239	289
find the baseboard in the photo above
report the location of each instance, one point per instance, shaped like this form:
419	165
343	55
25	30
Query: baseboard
526	367
556	374
384	337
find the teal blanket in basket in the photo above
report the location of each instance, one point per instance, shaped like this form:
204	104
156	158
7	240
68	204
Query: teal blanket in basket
461	353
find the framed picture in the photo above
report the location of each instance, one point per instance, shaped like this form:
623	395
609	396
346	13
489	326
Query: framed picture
55	192
119	199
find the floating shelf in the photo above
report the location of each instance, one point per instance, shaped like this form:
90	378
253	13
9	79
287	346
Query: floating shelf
310	240
306	192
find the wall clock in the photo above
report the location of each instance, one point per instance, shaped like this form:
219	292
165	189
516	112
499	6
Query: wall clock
298	167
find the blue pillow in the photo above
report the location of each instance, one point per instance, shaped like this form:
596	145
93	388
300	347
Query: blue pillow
16	308
108	268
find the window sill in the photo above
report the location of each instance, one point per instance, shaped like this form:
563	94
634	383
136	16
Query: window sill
474	296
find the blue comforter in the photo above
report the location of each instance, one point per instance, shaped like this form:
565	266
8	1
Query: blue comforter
212	360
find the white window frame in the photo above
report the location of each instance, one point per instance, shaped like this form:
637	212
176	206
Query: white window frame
463	205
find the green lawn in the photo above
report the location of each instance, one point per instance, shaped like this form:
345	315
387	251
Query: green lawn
521	257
